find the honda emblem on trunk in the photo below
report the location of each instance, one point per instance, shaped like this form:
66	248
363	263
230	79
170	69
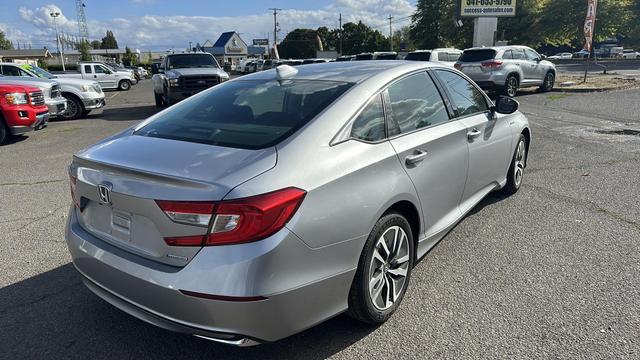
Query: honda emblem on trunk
104	193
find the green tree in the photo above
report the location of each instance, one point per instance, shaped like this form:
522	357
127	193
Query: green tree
96	44
359	38
425	24
129	58
83	47
299	44
5	44
109	41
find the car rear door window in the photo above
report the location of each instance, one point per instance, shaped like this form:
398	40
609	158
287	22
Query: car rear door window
369	125
8	70
466	98
508	55
415	103
518	54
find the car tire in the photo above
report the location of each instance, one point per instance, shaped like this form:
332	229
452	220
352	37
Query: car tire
75	109
511	86
4	131
374	303
547	83
124	85
516	169
159	101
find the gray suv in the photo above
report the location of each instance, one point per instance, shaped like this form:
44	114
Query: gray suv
507	68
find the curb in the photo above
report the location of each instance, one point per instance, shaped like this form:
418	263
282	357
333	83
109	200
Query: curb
591	90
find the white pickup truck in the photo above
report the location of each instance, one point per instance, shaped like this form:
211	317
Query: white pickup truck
108	78
82	95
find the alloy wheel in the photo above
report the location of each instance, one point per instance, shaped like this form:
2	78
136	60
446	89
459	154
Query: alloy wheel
548	81
72	110
389	267
519	163
512	86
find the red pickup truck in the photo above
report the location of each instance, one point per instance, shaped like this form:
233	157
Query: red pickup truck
22	109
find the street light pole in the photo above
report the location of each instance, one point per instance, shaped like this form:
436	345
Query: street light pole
54	15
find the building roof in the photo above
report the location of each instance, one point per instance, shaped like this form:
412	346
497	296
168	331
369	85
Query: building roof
224	39
17	53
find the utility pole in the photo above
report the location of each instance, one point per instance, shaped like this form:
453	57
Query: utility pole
275	25
54	15
390	34
190	48
340	22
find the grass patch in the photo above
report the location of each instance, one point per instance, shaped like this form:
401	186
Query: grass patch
554	97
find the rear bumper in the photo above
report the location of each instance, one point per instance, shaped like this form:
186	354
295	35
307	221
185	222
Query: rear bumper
280	268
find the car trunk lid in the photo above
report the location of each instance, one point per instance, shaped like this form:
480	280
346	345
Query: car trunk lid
119	181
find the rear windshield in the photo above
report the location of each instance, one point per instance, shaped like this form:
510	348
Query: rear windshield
419	56
364	57
387	57
247	114
191	61
477	55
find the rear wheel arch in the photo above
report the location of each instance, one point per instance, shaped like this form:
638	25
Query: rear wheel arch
410	212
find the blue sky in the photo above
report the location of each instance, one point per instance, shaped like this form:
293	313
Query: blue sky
164	24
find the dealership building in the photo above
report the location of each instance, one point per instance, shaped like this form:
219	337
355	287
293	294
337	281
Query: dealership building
231	49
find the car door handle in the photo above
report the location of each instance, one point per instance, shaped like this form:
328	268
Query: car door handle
416	157
473	134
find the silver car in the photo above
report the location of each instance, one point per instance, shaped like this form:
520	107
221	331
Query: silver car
507	68
265	205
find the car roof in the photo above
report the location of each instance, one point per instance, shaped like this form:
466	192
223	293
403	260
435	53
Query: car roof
498	48
347	71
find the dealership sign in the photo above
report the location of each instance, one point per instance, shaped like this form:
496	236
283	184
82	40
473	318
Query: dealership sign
487	8
590	23
260	42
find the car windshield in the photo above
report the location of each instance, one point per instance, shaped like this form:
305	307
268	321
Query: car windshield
191	61
248	114
41	73
477	55
419	56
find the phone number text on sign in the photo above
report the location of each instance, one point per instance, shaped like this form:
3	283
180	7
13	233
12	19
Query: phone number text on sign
476	8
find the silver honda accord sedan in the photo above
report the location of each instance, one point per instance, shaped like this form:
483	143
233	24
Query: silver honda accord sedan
272	202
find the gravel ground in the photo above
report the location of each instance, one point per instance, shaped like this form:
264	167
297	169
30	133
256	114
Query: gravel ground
551	272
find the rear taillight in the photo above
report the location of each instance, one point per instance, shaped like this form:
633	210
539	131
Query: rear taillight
492	64
457	66
72	184
188	212
235	221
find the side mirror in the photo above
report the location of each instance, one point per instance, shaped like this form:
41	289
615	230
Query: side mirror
505	105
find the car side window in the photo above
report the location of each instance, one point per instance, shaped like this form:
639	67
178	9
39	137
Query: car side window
518	54
466	98
87	69
508	55
454	56
101	70
369	125
11	71
531	55
415	102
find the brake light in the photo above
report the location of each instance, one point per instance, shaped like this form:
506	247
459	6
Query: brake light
457	66
234	221
492	64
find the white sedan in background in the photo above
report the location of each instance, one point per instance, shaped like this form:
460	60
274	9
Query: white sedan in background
561	56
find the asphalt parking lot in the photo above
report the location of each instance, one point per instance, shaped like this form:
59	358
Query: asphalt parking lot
551	272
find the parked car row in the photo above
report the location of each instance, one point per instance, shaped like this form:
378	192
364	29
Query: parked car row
28	89
251	65
603	52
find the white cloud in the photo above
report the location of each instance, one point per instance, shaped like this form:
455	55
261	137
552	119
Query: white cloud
161	32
